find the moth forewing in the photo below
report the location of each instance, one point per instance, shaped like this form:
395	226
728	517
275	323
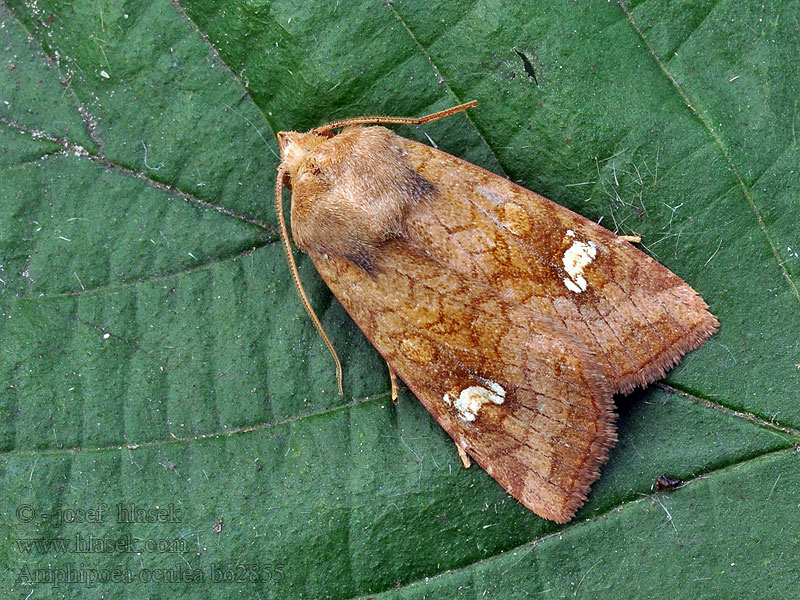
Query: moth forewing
511	318
538	418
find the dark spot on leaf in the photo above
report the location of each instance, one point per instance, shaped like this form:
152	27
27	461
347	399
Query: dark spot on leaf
665	482
526	64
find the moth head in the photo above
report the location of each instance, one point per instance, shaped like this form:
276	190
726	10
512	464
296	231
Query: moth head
295	146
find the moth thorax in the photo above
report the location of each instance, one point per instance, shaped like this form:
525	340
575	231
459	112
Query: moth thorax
295	146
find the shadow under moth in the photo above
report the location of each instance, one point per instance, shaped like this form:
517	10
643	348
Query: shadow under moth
514	320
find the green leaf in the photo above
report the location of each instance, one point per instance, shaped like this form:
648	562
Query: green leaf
156	357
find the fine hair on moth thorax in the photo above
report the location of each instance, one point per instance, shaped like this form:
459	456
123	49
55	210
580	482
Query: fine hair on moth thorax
511	318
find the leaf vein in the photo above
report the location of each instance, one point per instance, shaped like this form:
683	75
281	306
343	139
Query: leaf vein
718	139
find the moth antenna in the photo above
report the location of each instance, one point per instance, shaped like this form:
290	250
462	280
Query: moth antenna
296	276
396	120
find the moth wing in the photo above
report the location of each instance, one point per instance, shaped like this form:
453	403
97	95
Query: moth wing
511	318
515	390
634	314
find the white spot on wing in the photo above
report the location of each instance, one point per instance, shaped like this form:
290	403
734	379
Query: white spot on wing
572	286
497	389
472	399
579	256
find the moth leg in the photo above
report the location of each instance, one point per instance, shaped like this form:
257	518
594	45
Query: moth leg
462	454
633	239
393	381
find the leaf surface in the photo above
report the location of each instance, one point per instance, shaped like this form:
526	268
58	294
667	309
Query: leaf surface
155	353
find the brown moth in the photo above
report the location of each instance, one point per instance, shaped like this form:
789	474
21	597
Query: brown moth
511	318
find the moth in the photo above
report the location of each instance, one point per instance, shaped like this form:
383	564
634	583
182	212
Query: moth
513	320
